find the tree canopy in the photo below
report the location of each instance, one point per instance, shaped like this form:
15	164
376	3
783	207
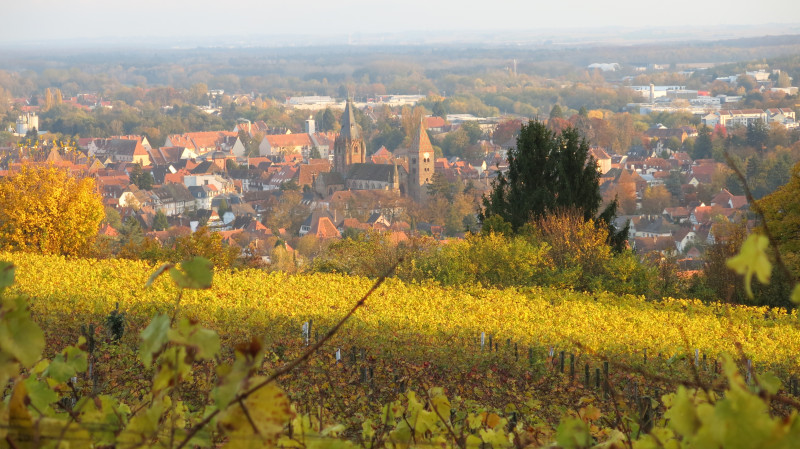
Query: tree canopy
549	173
46	210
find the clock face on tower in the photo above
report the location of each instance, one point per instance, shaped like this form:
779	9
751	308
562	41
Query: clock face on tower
426	155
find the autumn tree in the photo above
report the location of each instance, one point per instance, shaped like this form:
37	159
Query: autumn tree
506	131
655	200
46	210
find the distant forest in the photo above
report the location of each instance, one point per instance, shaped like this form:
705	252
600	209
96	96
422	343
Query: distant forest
156	92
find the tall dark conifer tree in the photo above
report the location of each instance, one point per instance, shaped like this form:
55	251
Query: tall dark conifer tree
548	173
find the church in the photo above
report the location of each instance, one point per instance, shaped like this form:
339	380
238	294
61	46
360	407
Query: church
352	172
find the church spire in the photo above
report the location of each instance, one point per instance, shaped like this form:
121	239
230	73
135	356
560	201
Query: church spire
422	144
350	129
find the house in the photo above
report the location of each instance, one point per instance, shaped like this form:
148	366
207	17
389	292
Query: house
320	224
603	159
282	175
382	156
645	245
650	226
203	195
173	199
307	174
119	150
727	200
676	214
734	117
782	116
170	155
135	198
684	238
282	144
208	141
222	185
434	124
703	173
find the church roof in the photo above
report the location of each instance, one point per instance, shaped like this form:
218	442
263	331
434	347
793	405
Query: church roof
372	172
350	129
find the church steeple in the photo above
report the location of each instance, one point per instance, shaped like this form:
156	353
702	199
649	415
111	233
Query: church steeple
422	143
420	164
349	147
350	128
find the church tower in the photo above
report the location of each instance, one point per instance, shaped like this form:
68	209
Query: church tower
349	147
420	165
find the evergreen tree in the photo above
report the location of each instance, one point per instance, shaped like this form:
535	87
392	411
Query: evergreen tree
160	222
223	207
131	231
703	145
556	112
548	173
757	135
141	178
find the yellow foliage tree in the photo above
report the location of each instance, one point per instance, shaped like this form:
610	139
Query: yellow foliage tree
46	210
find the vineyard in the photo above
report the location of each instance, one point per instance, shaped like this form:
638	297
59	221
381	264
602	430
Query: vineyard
532	355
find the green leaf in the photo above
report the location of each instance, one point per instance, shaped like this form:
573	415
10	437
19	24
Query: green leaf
752	259
796	294
40	394
194	274
153	338
19	336
572	433
205	341
60	370
682	413
769	382
6	274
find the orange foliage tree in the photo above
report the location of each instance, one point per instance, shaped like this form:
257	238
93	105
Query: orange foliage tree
47	210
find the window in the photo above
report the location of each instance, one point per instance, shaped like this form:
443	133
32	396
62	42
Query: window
413	160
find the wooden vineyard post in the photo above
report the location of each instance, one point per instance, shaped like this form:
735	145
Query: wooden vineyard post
749	371
561	361
571	366
586	376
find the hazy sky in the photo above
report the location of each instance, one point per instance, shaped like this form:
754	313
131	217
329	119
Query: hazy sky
37	20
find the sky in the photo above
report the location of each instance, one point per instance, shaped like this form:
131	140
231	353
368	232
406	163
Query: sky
65	20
